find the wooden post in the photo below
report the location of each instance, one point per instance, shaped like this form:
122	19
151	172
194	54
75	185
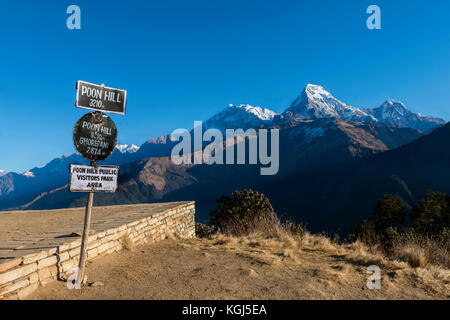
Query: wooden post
85	238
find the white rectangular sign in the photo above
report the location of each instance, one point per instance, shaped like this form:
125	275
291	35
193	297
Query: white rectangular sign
93	179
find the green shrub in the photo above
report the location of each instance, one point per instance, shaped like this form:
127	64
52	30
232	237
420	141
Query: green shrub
389	237
365	232
426	241
245	212
387	218
204	231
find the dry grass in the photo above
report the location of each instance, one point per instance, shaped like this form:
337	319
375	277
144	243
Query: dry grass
257	266
267	223
319	242
126	243
421	251
268	233
268	242
259	247
285	249
359	253
412	253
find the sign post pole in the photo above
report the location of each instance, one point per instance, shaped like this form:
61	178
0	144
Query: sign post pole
95	138
85	238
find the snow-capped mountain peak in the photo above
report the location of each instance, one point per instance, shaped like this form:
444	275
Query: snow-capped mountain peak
316	91
395	113
2	173
392	108
124	148
316	102
262	113
240	116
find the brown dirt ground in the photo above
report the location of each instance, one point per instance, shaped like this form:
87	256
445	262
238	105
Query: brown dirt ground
229	268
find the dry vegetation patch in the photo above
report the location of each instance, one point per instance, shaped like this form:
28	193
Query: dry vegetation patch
329	262
252	267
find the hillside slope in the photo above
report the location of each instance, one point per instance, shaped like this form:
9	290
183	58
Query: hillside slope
249	268
302	148
343	194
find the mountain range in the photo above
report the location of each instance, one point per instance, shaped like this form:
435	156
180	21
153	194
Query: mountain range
315	102
241	116
330	157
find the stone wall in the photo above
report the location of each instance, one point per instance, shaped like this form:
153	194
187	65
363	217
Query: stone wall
21	276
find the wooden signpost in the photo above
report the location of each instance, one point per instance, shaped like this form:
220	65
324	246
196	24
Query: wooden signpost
94	137
93	179
100	98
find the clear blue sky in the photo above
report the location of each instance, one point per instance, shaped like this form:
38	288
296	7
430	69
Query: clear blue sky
186	60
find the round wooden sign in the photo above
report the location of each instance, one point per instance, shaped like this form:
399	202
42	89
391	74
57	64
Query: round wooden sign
95	136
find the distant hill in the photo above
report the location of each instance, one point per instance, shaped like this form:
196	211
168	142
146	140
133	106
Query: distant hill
331	164
304	149
337	196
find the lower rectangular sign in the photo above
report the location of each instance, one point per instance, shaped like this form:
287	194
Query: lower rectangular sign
93	179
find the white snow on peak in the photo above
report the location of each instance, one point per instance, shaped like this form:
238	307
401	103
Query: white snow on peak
28	174
316	91
262	113
393	103
242	116
2	173
124	148
315	101
393	110
395	113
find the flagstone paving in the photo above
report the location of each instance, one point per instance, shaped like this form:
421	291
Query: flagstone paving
26	232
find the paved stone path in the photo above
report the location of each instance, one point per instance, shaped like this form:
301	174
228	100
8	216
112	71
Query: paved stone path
26	232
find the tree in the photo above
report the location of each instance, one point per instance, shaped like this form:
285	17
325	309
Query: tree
388	212
431	215
364	231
